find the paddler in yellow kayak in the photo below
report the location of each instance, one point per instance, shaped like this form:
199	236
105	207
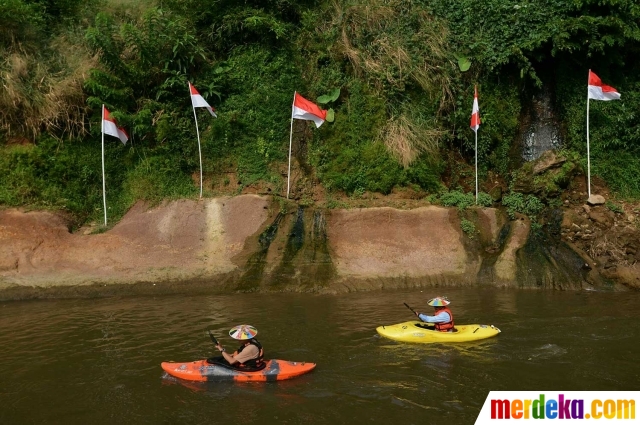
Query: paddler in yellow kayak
250	354
442	318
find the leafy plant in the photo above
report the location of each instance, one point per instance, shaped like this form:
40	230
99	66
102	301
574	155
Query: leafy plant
458	199
433	199
463	63
468	228
484	199
331	97
528	205
614	207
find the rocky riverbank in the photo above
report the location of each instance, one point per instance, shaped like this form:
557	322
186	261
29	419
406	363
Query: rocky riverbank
251	243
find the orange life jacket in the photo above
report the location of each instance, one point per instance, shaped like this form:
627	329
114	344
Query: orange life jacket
444	326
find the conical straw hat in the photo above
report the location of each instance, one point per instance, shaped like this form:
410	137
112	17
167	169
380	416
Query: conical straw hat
243	332
439	302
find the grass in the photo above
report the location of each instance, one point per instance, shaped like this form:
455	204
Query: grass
43	92
406	139
392	43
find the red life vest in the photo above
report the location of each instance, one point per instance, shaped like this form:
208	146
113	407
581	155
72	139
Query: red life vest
444	326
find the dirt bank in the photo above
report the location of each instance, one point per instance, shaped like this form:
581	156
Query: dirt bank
386	242
250	243
607	236
176	240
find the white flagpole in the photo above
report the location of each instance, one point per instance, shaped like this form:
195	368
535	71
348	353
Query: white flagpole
476	166
104	193
199	150
588	156
290	142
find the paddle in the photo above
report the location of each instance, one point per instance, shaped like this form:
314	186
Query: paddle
213	338
216	360
407	305
414	312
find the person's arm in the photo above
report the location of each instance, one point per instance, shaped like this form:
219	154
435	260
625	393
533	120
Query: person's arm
229	358
442	317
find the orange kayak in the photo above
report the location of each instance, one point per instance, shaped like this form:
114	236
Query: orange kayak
201	370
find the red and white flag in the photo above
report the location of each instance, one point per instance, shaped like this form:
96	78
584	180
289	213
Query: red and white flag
475	112
306	110
198	101
599	91
110	127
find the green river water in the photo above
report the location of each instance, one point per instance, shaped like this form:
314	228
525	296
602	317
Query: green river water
97	361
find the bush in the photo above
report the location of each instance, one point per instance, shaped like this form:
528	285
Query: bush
524	204
468	228
484	199
52	175
21	21
458	199
154	179
455	198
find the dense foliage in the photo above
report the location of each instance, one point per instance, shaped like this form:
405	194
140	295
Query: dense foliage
405	71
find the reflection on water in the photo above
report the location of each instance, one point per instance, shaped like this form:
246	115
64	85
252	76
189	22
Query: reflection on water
98	361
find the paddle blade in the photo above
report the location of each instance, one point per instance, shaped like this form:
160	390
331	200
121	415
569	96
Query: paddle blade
213	338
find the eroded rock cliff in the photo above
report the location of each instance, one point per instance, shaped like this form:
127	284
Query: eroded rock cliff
250	243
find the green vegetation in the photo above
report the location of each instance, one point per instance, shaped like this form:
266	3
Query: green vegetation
398	76
528	205
468	228
458	199
613	130
484	199
614	207
455	198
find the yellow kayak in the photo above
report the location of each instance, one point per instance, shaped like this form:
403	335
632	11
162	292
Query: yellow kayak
424	332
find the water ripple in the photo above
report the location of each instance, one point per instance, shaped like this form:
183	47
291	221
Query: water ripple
98	360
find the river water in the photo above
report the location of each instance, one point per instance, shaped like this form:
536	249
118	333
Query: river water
98	361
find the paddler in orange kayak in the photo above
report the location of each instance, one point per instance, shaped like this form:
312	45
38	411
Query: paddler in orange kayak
250	354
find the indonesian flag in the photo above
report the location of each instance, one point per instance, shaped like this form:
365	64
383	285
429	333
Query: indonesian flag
599	91
110	127
198	101
475	112
306	110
